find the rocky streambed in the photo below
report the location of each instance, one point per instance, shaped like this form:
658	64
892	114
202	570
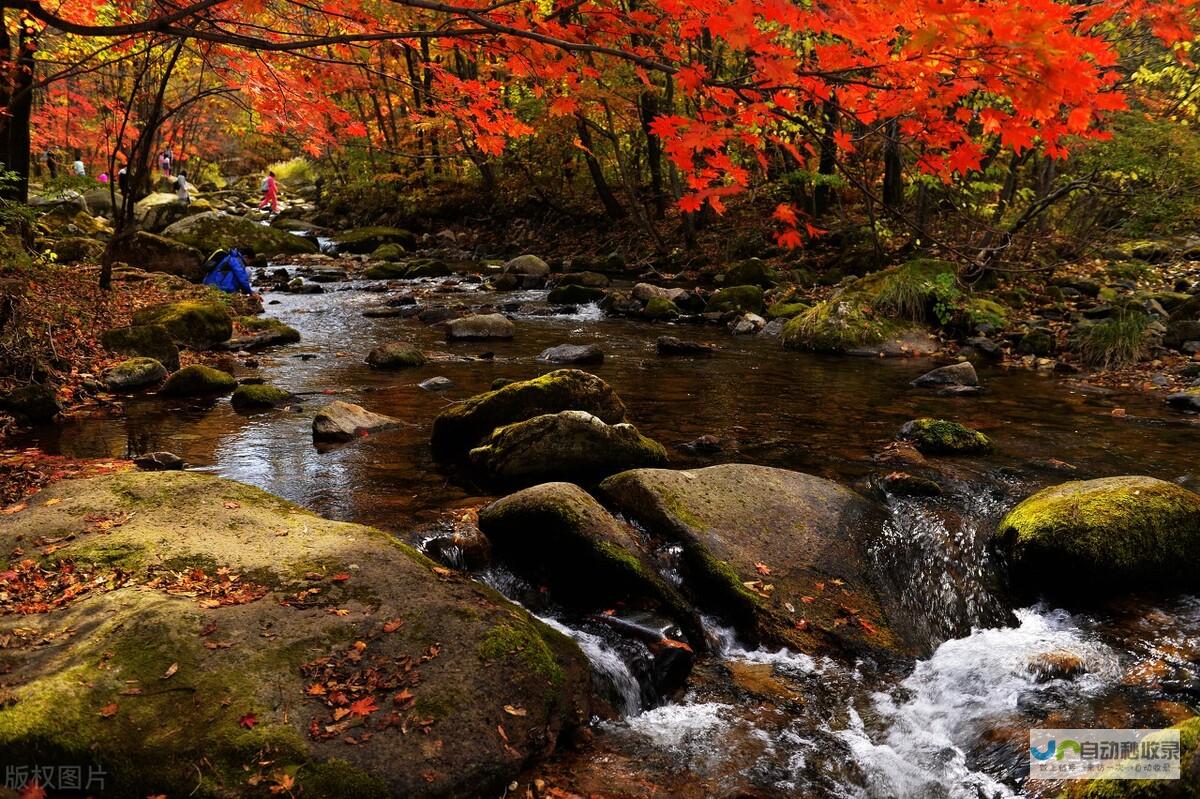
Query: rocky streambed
782	598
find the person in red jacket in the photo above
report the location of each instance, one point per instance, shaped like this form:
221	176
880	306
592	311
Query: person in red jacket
270	193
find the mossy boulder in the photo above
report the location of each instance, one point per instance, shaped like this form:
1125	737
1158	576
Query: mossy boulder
36	403
155	253
215	230
388	252
384	270
178	694
736	298
257	396
480	327
570	444
762	548
145	341
594	280
529	265
78	248
557	535
196	324
660	309
1107	536
836	325
751	272
426	267
258	332
786	310
942	437
1037	342
158	210
197	380
462	427
395	355
134	373
574	294
364	240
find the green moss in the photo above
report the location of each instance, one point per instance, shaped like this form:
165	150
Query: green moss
426	267
364	240
396	355
267	324
736	298
660	308
193	323
907	291
385	271
198	379
258	396
982	311
127	557
942	437
1189	785
519	642
751	272
786	310
838	324
338	779
147	341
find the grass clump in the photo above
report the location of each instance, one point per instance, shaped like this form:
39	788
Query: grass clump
1115	342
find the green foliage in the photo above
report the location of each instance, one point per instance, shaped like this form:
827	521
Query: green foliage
913	289
297	171
1115	342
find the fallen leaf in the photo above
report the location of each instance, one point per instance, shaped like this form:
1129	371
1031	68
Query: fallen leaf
441	571
170	672
392	625
503	734
363	707
762	569
340	577
515	711
248	721
231	505
316	689
403	697
108	711
51	502
11	509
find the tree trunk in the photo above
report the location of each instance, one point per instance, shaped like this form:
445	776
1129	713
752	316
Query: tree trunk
612	208
20	109
893	169
827	165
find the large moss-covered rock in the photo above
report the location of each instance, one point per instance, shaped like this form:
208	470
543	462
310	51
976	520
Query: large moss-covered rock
196	324
1104	536
751	272
782	555
365	240
78	248
529	265
207	695
258	332
145	341
214	230
575	294
155	253
134	373
736	298
836	325
395	355
461	427
198	380
557	535
570	444
37	403
942	437
257	396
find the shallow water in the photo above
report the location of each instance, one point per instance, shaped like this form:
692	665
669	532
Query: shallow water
953	726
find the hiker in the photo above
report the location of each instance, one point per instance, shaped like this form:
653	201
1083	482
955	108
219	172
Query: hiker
123	179
51	163
79	167
103	178
227	271
181	189
270	190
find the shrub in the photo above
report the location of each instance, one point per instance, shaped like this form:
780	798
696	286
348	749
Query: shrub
1115	342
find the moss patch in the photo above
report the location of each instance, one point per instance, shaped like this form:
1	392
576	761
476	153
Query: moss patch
198	380
258	396
736	298
193	323
942	437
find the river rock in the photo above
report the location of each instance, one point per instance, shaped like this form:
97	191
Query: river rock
257	396
75	249
572	444
736	298
747	324
941	437
437	383
35	403
261	332
480	327
659	310
589	279
364	240
134	373
557	535
395	355
195	324
158	210
1186	400
573	294
1104	536
342	421
957	374
463	426
214	230
155	253
166	677
197	380
159	462
911	343
645	292
529	265
669	345
762	547
751	272
573	354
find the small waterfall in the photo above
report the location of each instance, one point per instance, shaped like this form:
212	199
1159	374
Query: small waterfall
608	667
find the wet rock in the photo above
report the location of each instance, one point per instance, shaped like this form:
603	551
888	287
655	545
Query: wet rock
364	240
388	252
192	323
463	426
903	484
757	542
427	267
504	282
214	230
589	279
258	397
134	373
479	327
573	354
747	324
396	355
1180	332
736	298
501	382
751	272
703	445
1107	536
75	249
645	292
526	265
962	391
1186	400
911	343
941	437
343	421
261	332
389	312
669	345
986	348
1039	342
197	380
958	374
571	444
774	328
658	309
159	462
239	673
555	534
34	403
1057	665
438	383
573	294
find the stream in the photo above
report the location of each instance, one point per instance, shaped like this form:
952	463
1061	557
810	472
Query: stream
747	722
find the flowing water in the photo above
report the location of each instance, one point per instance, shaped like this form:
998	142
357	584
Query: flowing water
749	722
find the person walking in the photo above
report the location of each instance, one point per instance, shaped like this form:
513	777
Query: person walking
123	180
270	190
181	189
79	167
